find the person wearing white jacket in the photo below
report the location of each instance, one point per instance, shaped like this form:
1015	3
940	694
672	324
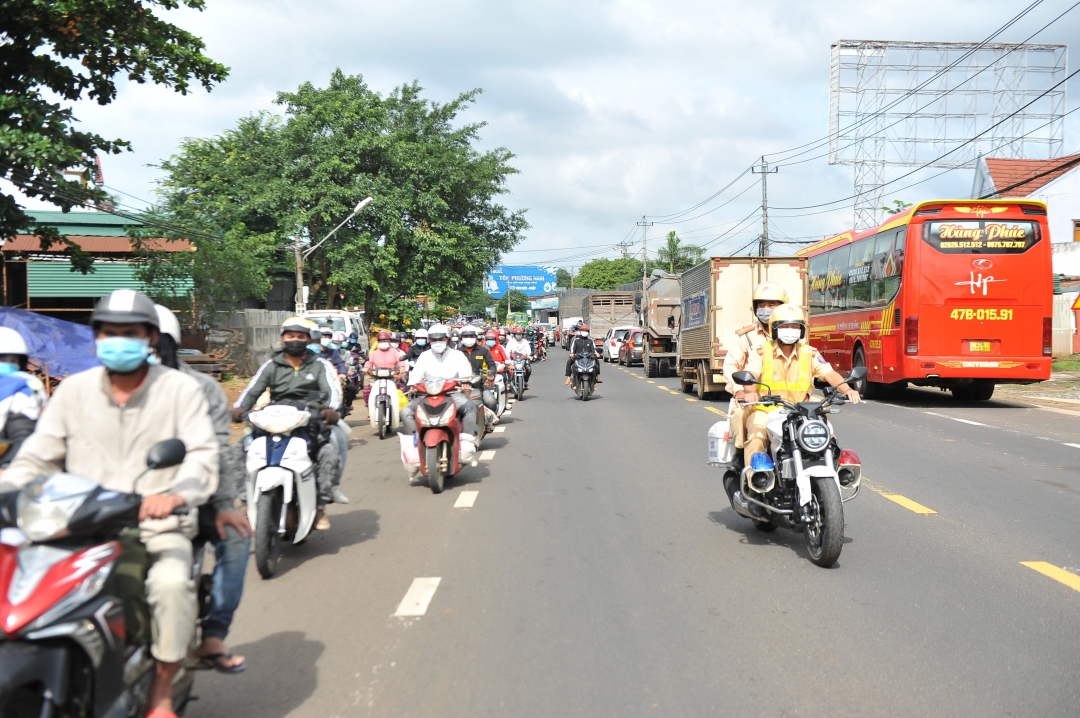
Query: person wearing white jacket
519	345
442	362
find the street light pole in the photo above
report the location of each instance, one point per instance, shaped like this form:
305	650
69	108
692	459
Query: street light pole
300	255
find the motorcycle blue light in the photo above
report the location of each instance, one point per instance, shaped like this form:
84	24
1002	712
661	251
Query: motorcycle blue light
761	462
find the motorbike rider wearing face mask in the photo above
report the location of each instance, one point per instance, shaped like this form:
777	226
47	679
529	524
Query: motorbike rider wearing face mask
220	524
329	351
581	345
483	363
445	363
518	345
383	357
290	374
788	366
22	395
100	425
419	345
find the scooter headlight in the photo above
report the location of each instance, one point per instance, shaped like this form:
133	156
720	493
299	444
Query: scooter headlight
47	503
814	435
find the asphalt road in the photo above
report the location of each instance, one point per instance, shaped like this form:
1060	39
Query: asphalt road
601	572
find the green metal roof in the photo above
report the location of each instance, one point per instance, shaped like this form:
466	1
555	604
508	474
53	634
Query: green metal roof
55	279
85	224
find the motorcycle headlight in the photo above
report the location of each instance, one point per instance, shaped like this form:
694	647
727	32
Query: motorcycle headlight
46	504
814	435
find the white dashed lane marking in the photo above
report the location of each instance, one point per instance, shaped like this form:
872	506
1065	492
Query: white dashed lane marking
466	499
499	429
487	455
418	597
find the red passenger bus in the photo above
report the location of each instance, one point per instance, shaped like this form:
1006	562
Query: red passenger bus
950	293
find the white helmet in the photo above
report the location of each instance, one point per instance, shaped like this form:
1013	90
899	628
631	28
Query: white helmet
439	329
168	323
11	342
338	337
420	334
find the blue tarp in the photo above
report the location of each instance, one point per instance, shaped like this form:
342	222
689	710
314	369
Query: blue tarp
64	347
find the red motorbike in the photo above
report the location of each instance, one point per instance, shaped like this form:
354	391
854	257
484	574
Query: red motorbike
66	647
438	430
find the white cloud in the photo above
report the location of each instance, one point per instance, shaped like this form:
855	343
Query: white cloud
615	109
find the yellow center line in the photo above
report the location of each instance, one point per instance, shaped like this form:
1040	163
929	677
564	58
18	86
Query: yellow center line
714	410
651	381
902	500
1060	575
687	398
678	393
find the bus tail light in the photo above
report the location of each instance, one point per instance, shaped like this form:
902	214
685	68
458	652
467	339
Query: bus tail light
911	335
1048	336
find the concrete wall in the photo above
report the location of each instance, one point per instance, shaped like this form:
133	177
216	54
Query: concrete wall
258	333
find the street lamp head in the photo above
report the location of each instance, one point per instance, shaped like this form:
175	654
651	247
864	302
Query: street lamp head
361	204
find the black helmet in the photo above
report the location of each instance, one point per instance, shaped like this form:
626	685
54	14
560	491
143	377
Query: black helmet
125	306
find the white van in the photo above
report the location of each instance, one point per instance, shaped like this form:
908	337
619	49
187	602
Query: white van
340	321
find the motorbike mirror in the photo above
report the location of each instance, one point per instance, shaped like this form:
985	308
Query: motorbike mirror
671	321
857	374
743	378
166	454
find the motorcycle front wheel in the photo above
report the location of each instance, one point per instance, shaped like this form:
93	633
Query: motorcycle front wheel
435	478
586	388
825	532
267	540
384	420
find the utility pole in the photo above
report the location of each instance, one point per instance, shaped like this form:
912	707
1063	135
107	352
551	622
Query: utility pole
764	171
301	305
644	251
571	277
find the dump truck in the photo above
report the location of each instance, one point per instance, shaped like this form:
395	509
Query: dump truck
570	314
660	308
604	310
716	303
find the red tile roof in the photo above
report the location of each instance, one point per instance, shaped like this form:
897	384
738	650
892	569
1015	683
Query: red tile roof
1020	178
95	245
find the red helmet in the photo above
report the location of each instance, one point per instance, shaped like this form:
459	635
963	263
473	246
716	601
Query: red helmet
583	328
384	336
502	332
490	335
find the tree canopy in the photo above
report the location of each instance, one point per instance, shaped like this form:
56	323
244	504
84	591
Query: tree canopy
519	302
563	278
73	50
676	257
607	274
434	227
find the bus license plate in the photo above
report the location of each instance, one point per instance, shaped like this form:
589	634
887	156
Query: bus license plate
979	346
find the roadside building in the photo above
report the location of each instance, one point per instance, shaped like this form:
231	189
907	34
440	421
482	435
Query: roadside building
42	281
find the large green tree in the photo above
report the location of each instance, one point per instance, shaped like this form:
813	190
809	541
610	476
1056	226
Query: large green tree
563	278
519	302
435	225
69	50
606	274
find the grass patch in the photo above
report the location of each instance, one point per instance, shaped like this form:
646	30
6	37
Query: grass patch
1066	365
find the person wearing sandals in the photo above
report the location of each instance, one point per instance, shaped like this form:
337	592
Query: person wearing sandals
219	522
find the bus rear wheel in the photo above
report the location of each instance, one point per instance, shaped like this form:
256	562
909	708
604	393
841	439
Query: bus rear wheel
866	388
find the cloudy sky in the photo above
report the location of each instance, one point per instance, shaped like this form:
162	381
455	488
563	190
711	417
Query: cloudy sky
614	108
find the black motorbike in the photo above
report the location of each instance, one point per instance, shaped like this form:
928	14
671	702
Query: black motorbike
583	373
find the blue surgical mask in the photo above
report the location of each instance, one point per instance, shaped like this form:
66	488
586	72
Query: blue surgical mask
122	354
421	342
153	359
7	368
335	346
490	342
325	341
315	347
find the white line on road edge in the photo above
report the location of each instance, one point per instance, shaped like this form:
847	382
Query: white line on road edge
953	418
506	413
499	429
466	499
418	597
487	455
1075	446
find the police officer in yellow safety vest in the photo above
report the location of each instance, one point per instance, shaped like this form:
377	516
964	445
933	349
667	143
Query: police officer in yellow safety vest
788	366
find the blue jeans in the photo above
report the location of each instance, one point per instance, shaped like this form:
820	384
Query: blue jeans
227	584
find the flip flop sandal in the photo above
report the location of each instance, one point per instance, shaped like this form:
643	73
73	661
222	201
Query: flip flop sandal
210	660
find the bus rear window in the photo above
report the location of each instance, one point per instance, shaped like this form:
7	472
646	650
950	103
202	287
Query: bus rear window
981	236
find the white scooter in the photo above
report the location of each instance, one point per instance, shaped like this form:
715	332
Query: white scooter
384	402
501	390
281	485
